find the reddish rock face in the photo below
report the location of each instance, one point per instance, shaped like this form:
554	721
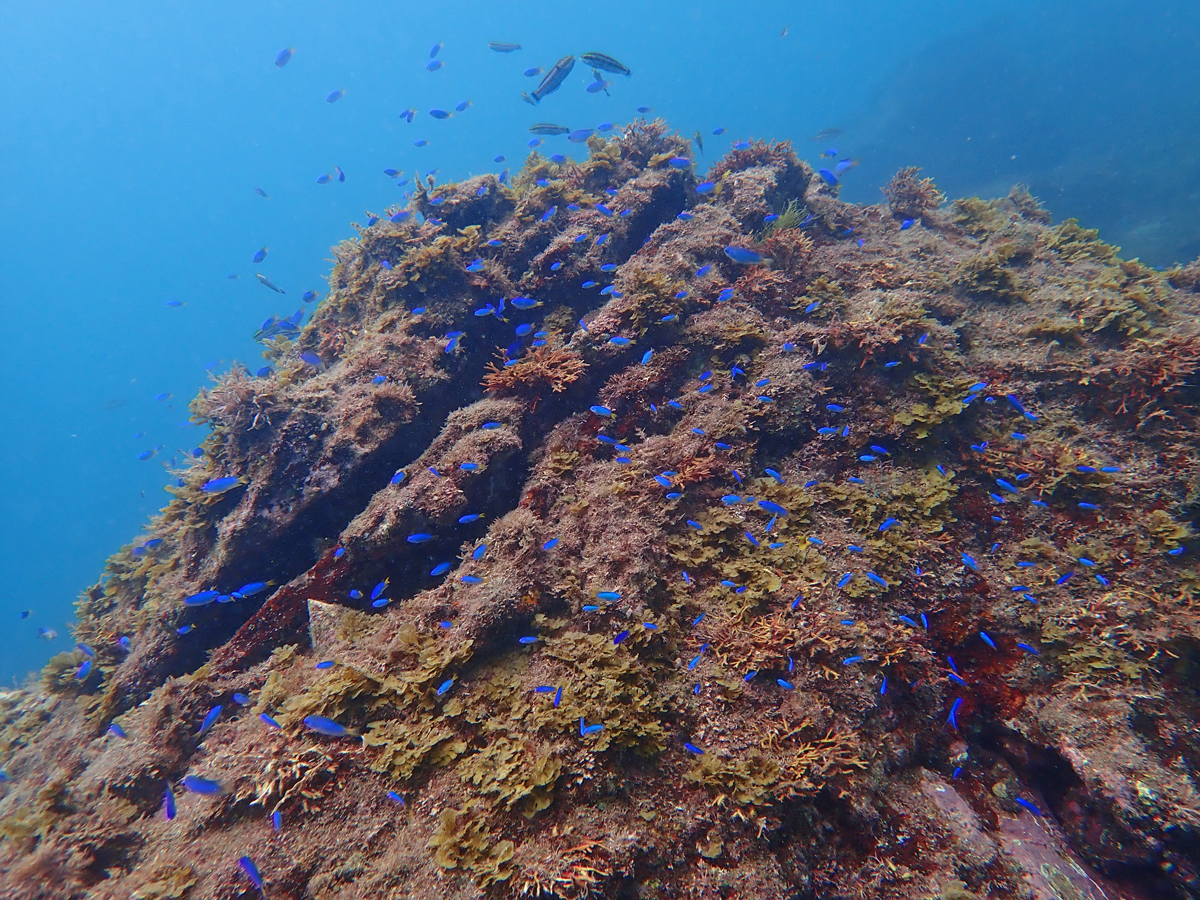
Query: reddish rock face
864	571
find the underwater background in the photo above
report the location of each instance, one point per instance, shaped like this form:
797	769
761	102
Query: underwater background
133	135
674	452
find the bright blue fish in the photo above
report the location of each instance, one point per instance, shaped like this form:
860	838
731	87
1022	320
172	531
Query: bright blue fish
952	719
209	720
197	785
325	726
202	599
220	485
1027	805
251	871
744	256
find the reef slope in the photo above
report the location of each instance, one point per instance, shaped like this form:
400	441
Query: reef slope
987	422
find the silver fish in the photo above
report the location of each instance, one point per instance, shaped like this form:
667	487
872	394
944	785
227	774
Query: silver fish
525	96
501	47
266	282
549	129
555	77
605	62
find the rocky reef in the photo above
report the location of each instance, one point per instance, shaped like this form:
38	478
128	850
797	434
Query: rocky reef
865	570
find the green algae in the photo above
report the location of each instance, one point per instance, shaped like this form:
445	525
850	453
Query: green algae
825	291
977	217
166	882
722	546
612	685
651	296
28	824
407	745
791	217
1128	299
1165	531
944	403
1073	243
989	276
463	841
747	781
956	890
516	773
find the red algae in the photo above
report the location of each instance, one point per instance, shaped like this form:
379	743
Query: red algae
676	597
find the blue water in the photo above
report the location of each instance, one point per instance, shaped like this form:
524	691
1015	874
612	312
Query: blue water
132	135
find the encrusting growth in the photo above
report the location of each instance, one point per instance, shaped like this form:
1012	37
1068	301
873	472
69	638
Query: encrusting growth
825	555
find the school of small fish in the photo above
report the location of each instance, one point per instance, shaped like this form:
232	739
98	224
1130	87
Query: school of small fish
762	516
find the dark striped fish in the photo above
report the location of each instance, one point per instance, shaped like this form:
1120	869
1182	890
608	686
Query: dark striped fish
555	77
547	128
606	63
501	47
